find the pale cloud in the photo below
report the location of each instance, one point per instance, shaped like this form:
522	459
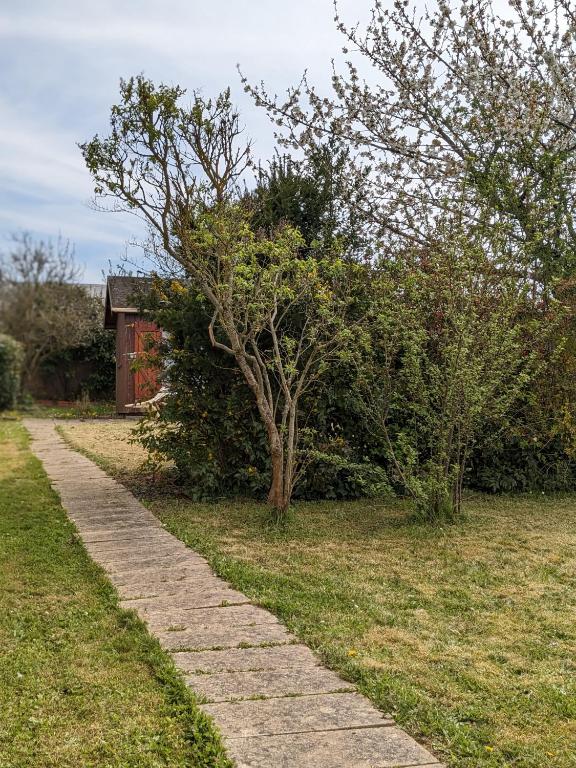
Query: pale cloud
37	159
61	62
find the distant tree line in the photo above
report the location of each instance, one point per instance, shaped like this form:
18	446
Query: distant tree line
57	323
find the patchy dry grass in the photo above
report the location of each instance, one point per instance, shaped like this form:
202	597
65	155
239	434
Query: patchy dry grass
467	634
82	684
110	440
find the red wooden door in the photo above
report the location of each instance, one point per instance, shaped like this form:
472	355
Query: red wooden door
147	336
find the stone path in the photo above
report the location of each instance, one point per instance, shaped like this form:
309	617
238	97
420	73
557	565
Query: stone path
274	703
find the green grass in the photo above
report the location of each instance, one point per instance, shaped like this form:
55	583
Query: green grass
82	683
76	410
466	633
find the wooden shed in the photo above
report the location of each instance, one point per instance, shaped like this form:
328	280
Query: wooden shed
135	334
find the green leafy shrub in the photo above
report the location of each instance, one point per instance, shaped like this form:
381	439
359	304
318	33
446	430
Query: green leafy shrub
86	369
209	429
10	371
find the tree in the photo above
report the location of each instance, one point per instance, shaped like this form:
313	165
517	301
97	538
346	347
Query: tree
455	344
457	94
180	169
314	195
208	427
40	306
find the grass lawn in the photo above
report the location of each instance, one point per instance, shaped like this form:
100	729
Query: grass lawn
81	682
466	634
71	410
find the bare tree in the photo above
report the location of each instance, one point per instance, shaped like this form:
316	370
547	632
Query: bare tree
39	304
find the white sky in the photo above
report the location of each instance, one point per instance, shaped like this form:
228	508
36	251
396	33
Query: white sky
61	62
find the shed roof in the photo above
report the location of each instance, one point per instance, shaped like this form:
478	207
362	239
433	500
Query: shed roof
121	295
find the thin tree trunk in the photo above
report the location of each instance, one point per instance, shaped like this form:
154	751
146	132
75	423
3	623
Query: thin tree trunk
290	454
276	494
275	445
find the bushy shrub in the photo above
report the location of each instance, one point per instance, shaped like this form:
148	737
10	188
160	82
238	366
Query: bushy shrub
10	371
209	428
87	369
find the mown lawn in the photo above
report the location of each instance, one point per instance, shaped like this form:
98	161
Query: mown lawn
71	410
81	682
466	634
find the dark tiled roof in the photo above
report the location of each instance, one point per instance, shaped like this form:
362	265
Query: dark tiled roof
122	296
123	290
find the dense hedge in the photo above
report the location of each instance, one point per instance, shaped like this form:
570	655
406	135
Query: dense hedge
210	430
10	371
86	369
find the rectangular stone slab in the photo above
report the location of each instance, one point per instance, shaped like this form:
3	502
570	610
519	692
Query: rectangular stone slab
245	659
89	501
99	524
215	636
386	747
226	616
192	599
301	714
130	565
203	579
300	681
152	539
85	510
103	519
156	538
170	573
57	462
124	529
97	484
60	479
134	551
97	508
91	496
106	535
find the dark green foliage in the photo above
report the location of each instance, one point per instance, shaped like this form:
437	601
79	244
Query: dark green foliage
10	371
86	369
516	464
311	195
210	429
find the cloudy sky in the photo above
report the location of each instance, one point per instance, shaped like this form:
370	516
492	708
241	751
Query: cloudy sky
61	62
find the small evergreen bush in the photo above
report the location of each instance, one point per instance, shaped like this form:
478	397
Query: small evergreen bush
10	371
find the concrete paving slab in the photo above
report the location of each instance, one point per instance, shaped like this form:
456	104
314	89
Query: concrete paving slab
387	747
191	599
119	528
297	681
106	534
153	538
142	562
221	616
138	551
215	636
305	714
202	580
246	659
100	514
138	576
96	524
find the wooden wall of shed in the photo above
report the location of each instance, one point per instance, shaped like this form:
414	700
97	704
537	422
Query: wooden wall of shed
124	350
